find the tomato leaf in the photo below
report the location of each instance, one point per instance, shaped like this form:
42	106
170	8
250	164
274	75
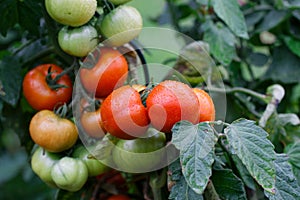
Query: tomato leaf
10	80
196	145
25	13
230	12
293	151
221	42
234	190
286	186
292	44
271	20
250	144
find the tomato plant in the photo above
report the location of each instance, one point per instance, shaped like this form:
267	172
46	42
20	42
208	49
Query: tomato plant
44	88
123	114
78	41
108	73
118	197
207	108
52	132
92	124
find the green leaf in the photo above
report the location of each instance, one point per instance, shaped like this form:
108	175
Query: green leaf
256	152
181	190
286	186
196	145
285	66
10	80
229	11
234	190
271	20
221	42
293	151
25	13
292	44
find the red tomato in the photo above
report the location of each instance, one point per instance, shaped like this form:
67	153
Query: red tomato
39	94
118	197
109	73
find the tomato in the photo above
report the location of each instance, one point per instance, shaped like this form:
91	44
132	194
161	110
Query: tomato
71	12
119	2
109	72
69	174
118	197
123	114
92	124
42	162
78	41
170	102
207	108
121	25
140	155
38	92
94	166
53	133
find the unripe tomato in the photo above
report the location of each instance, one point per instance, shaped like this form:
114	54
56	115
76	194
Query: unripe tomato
109	73
121	25
71	12
140	155
78	41
118	197
92	124
119	2
207	108
123	114
53	133
42	162
170	102
94	166
69	174
38	92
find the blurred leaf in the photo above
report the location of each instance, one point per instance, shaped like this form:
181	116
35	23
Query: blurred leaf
10	80
289	118
272	19
254	17
234	190
66	195
285	66
25	13
229	11
292	44
251	145
196	145
258	59
221	42
293	151
286	186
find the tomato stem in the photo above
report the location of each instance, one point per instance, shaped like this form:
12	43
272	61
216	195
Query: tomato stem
52	82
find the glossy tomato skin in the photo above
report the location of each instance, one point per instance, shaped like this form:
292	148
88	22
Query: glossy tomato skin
170	102
71	12
37	91
123	114
109	72
94	166
119	197
121	25
207	109
69	174
92	124
140	155
42	162
78	41
53	133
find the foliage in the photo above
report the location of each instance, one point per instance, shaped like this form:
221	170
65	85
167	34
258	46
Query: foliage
256	147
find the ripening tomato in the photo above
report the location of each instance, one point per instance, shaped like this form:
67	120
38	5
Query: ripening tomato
123	113
37	88
109	72
207	108
53	133
170	102
92	124
119	197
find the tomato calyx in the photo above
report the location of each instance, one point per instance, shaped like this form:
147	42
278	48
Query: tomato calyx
52	82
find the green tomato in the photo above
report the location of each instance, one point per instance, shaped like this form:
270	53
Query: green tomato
69	174
42	162
71	12
94	166
78	41
140	155
119	2
121	25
